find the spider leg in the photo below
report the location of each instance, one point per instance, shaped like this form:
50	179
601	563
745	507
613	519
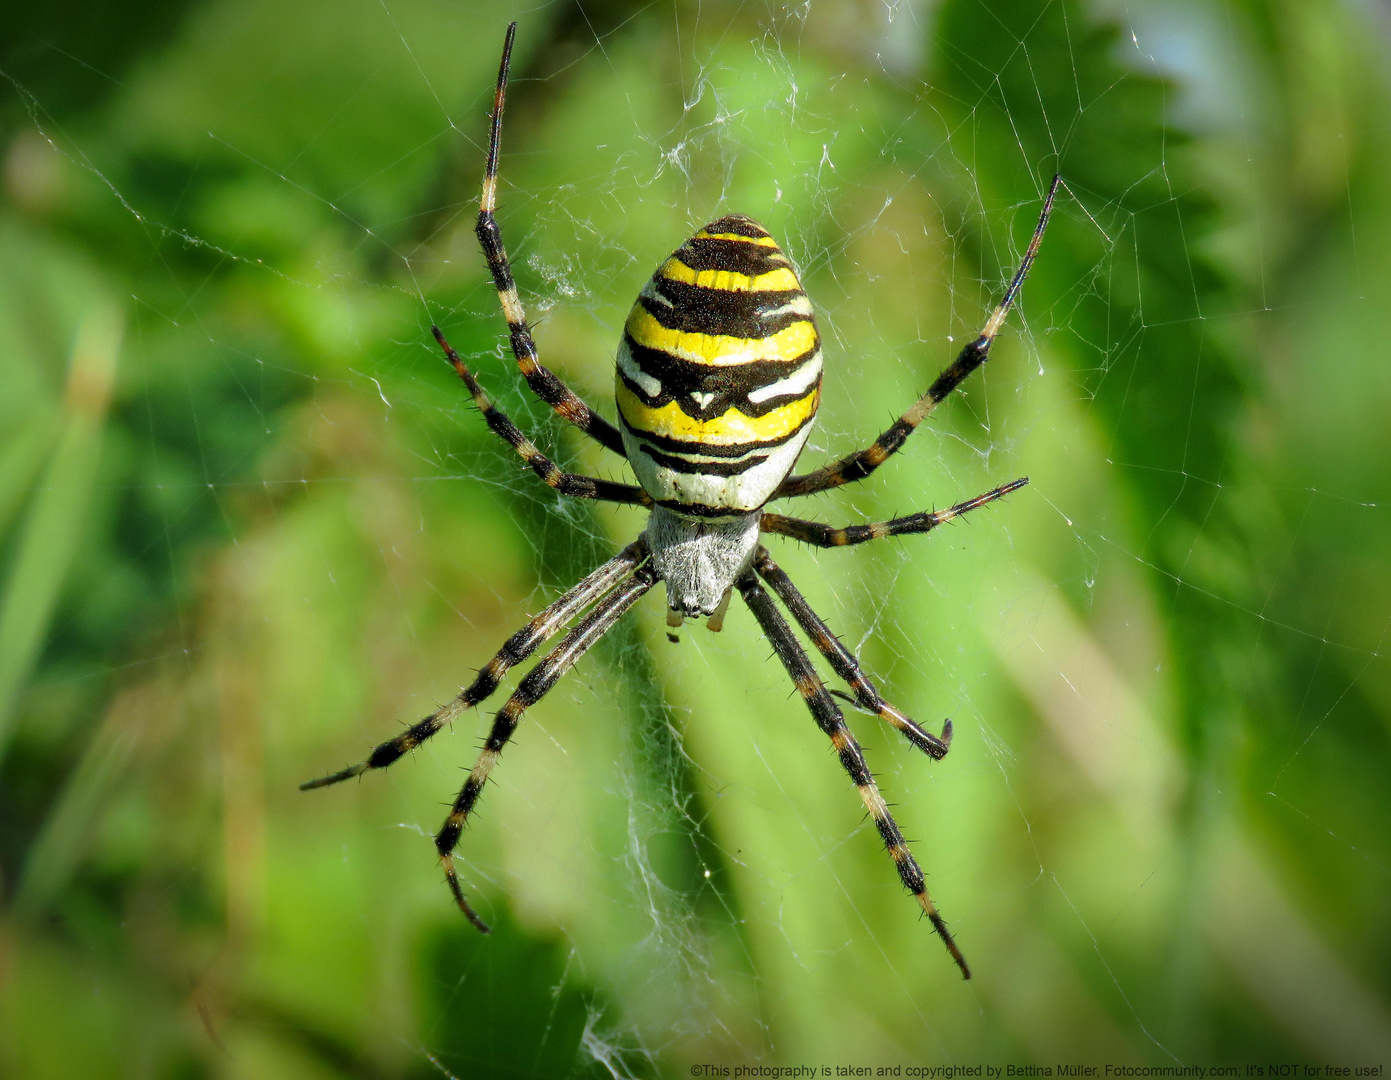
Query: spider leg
829	719
861	463
572	484
532	689
518	647
825	536
843	662
543	382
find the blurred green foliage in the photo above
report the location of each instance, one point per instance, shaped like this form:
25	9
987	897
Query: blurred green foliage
248	523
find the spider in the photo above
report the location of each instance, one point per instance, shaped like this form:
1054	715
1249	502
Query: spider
718	380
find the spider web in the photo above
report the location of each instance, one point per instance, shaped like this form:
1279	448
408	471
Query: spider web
1160	835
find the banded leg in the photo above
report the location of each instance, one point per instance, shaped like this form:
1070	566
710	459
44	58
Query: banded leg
819	535
843	662
543	382
861	463
579	487
518	647
829	719
532	689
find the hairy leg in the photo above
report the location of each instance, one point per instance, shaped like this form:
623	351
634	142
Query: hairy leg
543	382
825	536
533	688
861	463
518	647
843	662
829	719
572	484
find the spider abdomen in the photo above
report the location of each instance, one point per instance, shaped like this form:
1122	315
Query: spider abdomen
719	373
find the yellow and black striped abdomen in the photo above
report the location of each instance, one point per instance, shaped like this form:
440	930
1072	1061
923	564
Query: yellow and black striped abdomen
719	372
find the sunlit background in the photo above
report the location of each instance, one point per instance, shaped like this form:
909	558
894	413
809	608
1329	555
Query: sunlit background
250	524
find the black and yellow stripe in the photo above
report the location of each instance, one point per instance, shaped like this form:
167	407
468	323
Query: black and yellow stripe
719	372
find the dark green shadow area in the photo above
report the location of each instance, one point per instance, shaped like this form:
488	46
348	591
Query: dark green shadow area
511	1006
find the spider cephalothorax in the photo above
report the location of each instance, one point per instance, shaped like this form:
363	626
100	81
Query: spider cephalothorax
718	381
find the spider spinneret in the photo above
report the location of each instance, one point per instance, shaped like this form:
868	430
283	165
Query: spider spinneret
718	381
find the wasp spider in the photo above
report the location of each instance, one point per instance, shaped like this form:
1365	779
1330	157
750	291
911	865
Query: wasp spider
718	380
